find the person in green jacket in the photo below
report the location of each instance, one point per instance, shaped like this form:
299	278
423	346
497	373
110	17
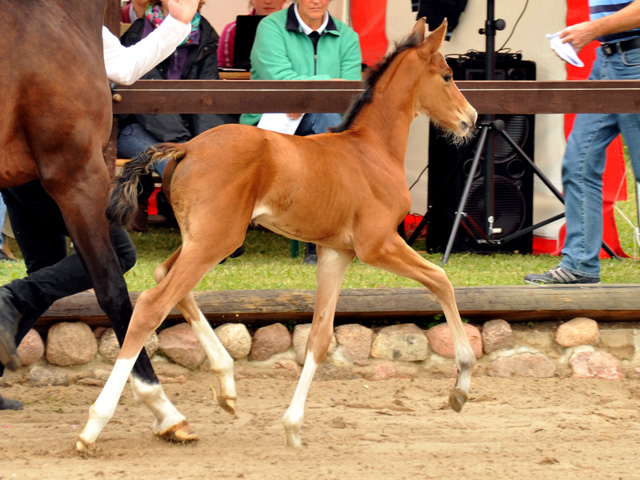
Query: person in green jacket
304	42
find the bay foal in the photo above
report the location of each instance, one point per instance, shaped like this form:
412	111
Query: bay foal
345	191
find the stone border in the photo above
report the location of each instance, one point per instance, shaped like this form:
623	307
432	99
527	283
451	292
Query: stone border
579	348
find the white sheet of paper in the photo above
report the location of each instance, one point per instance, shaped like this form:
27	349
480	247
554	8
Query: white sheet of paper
564	50
279	122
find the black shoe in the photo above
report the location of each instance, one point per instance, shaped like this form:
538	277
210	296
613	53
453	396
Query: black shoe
9	318
310	254
559	276
239	251
6	258
8	404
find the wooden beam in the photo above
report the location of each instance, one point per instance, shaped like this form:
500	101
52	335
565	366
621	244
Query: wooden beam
497	97
514	303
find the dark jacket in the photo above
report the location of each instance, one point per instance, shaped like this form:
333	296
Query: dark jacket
437	10
202	64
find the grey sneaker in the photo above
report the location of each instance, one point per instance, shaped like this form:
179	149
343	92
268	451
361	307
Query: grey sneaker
560	276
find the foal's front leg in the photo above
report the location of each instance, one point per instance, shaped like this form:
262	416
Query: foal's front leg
332	265
399	258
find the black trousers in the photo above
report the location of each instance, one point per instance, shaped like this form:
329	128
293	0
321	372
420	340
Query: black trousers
41	235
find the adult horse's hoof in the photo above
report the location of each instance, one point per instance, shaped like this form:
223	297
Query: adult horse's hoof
228	404
84	448
457	399
180	433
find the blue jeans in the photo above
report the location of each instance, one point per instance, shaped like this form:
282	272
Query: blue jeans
313	123
583	165
133	139
3	214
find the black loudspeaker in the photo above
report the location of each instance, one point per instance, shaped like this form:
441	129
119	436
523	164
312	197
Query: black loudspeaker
449	168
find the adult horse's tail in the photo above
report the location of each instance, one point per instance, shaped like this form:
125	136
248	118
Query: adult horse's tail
124	196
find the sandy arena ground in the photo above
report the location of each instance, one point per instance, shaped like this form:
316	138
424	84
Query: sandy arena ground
354	429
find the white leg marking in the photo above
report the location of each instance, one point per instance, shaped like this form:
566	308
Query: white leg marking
294	415
105	406
220	360
152	395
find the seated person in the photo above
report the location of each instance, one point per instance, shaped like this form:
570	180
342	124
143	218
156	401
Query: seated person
226	47
305	43
132	10
194	59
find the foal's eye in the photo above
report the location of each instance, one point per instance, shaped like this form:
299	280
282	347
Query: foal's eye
447	78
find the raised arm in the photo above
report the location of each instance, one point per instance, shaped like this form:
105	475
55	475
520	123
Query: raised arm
125	65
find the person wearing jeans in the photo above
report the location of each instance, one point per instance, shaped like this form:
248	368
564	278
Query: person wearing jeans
617	27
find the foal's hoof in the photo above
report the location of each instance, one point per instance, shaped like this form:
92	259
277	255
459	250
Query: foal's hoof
84	448
228	404
292	439
457	399
180	433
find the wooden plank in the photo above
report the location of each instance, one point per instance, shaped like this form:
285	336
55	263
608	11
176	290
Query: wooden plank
497	97
234	96
513	303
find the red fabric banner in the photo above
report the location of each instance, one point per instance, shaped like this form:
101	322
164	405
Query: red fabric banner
368	19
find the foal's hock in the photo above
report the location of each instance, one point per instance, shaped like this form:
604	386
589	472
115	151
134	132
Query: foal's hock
234	175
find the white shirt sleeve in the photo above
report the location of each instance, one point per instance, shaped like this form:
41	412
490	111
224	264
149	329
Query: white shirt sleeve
125	65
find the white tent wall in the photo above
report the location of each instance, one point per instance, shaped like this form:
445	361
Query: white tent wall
541	17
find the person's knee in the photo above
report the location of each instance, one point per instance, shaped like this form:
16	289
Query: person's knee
125	249
128	259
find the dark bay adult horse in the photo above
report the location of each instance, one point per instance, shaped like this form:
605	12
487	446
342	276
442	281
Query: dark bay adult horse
345	191
55	119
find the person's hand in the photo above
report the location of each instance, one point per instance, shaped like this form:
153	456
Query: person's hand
183	10
578	35
294	116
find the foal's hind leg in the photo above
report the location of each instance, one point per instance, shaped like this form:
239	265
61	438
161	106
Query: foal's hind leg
397	257
219	359
151	309
169	423
332	265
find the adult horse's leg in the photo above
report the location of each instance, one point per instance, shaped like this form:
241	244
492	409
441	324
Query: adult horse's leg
397	257
152	307
82	197
332	265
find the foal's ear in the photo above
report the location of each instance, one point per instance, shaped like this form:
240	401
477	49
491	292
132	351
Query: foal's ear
435	39
419	28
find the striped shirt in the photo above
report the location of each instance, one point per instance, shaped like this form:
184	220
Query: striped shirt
602	8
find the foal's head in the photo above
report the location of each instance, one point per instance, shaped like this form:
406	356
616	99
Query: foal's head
437	94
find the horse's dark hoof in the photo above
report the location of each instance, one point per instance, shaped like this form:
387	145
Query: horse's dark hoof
8	404
457	399
9	319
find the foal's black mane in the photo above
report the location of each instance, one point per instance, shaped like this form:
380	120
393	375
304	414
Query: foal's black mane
373	74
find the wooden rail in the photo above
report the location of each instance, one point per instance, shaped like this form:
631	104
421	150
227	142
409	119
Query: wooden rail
496	97
514	303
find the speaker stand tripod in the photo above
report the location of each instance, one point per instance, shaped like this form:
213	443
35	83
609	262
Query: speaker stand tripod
487	125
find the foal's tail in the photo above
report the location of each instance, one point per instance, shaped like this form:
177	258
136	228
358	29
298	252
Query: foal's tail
124	196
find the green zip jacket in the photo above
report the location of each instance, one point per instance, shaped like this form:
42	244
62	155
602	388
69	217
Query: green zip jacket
282	51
